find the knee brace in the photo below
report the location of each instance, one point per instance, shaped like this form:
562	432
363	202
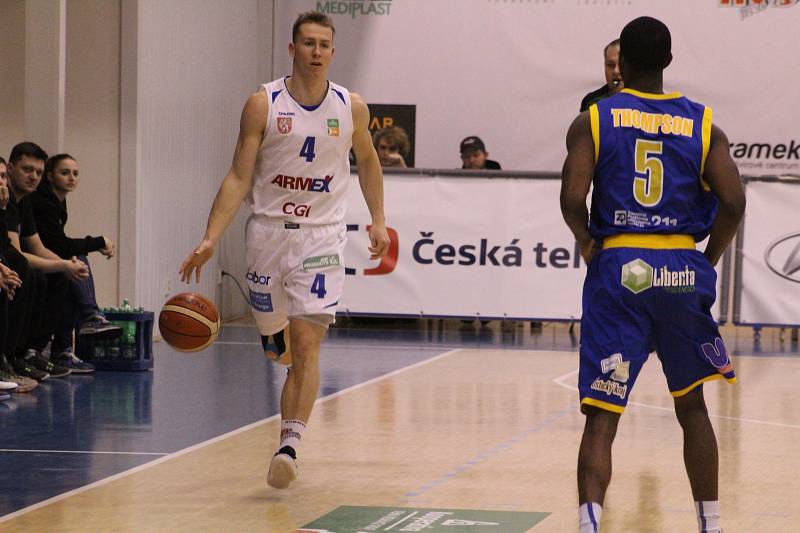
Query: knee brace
276	347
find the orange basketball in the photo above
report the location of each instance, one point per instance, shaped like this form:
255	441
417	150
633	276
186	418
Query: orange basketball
189	322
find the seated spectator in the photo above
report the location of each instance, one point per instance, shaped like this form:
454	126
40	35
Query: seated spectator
392	145
474	155
43	273
61	177
9	283
613	83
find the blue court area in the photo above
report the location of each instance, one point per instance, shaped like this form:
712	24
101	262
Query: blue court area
71	432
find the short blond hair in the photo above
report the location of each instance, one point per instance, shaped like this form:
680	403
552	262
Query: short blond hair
311	17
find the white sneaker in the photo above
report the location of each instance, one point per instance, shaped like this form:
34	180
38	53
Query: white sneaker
8	385
282	470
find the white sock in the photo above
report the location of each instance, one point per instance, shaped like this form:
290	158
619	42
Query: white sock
291	433
707	516
589	517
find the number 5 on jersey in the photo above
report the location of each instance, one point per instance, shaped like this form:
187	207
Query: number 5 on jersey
307	150
648	190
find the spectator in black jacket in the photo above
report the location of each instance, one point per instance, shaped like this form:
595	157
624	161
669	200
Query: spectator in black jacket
61	177
46	275
9	283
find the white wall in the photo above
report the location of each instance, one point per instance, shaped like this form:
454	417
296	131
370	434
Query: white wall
12	74
195	64
45	40
91	129
514	72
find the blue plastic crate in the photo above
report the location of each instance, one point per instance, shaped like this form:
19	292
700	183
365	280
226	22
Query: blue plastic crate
113	354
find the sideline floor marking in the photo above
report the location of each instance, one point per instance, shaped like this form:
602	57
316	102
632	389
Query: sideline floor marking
218	438
15	450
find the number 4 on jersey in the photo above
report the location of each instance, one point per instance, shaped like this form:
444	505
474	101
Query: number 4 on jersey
307	150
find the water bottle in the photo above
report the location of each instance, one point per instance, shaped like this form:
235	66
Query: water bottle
128	340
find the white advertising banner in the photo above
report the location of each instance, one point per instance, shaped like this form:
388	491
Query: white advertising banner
514	72
768	275
466	247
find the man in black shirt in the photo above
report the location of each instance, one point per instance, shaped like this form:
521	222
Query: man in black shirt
15	304
613	83
25	169
474	155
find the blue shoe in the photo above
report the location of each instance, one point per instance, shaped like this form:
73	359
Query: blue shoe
99	328
68	359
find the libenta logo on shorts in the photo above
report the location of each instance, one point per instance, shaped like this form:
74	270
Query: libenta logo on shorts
638	276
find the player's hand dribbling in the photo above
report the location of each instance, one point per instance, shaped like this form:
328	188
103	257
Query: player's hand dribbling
196	260
379	241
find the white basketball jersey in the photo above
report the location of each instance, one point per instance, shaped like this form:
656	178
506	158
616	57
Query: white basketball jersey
303	168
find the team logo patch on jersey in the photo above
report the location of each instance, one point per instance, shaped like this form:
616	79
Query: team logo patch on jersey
261	301
610	363
284	124
333	127
321	261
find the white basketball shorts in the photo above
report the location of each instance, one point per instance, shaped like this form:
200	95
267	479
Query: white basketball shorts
293	271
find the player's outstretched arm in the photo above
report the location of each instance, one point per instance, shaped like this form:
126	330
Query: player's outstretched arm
723	177
576	179
234	187
370	177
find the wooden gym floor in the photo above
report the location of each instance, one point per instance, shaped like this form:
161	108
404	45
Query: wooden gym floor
431	418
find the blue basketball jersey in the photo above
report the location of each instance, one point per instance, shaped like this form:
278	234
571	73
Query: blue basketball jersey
650	152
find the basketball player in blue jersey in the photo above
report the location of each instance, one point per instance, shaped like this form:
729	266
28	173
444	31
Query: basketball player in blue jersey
291	162
663	179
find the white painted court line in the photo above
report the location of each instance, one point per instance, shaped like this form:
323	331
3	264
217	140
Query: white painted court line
14	450
560	382
224	436
338	345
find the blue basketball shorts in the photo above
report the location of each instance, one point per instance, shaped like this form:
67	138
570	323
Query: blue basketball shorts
637	299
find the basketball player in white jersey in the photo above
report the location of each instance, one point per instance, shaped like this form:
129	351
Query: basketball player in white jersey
291	162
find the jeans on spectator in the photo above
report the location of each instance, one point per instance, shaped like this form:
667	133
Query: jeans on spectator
79	305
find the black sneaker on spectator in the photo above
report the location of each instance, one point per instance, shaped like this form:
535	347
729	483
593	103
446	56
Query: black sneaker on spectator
7	373
25	369
98	327
68	359
40	362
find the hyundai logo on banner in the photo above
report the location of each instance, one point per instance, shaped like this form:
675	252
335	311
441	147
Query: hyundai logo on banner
787	246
